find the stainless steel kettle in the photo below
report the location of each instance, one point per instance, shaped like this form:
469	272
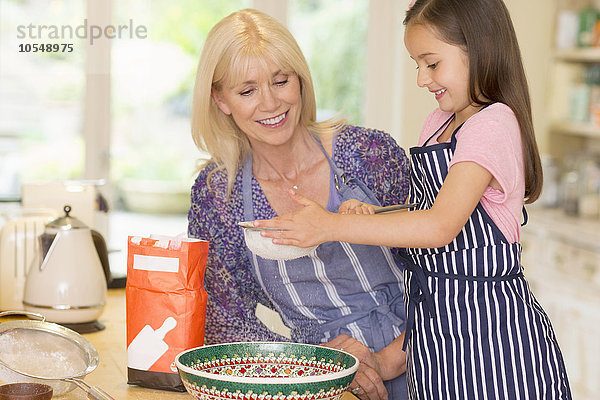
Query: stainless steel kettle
68	283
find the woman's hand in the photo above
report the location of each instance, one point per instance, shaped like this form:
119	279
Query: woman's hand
309	226
354	206
367	383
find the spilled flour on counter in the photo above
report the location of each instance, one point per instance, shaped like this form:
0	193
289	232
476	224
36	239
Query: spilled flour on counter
41	353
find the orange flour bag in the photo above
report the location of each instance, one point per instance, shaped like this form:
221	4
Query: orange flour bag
166	307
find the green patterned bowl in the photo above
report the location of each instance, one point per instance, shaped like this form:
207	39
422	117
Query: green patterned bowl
266	371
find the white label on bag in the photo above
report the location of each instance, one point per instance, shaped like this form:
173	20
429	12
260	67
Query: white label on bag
153	263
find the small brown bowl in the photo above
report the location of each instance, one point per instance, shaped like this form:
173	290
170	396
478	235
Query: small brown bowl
25	391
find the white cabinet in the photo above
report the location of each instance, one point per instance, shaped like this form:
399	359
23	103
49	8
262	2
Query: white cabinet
561	256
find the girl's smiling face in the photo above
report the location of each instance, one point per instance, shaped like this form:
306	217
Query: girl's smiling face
443	69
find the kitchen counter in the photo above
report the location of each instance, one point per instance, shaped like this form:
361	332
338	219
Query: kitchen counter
553	223
111	374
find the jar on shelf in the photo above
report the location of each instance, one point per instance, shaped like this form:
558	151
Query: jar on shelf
579	99
569	185
589	187
588	17
567	28
593	80
570	193
550	195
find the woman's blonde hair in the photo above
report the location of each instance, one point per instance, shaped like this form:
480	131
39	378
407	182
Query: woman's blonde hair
234	41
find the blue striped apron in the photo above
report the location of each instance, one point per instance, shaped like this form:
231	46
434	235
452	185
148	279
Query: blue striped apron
340	288
474	330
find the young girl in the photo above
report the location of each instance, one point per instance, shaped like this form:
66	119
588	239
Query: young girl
474	328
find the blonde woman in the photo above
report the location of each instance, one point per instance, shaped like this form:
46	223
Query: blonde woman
254	112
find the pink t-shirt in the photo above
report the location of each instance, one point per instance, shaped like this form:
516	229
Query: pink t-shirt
492	139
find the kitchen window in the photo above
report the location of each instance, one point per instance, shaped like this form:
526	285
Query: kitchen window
153	155
41	93
109	106
332	35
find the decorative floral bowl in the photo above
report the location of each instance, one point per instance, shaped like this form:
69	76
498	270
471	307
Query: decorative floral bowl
266	371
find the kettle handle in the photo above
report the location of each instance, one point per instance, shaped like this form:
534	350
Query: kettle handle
50	250
100	245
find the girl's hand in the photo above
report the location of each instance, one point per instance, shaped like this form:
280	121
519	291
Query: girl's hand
309	226
367	383
354	206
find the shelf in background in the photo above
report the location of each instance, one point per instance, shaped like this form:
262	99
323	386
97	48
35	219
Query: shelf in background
576	129
582	55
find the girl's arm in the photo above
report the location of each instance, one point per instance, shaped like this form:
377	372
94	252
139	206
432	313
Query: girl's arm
462	189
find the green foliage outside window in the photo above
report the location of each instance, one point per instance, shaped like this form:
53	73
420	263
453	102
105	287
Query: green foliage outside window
332	35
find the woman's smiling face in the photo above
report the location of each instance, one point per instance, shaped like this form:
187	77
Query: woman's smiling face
265	105
443	69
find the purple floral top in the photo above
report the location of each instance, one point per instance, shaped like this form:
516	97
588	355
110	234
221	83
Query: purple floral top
233	292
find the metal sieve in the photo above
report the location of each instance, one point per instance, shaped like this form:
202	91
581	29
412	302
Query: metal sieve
31	350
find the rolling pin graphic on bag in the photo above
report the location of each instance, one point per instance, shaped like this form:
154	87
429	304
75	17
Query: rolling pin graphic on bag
148	346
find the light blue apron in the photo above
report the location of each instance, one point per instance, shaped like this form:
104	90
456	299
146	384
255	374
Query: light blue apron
340	288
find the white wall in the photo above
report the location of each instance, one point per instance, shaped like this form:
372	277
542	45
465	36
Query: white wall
384	71
533	21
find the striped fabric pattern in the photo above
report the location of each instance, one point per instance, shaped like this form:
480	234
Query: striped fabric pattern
320	303
486	337
340	288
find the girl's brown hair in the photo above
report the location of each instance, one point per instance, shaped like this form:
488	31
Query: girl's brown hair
484	30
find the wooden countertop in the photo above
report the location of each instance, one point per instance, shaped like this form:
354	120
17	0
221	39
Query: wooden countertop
111	373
